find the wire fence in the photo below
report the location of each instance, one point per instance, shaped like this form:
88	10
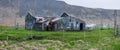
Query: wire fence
95	35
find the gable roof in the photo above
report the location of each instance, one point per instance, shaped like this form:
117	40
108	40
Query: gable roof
64	15
52	19
29	16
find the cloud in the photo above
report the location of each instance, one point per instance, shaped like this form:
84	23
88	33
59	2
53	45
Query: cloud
106	4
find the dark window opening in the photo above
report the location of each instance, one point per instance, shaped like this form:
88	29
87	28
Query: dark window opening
81	26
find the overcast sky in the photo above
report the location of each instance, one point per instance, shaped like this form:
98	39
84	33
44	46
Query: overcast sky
106	4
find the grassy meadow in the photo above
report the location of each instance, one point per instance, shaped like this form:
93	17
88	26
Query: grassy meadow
11	39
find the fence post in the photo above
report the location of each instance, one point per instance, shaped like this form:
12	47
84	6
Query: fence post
115	23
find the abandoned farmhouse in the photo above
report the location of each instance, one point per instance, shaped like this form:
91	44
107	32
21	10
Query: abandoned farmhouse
65	22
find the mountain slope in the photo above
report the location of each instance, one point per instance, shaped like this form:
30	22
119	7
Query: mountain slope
51	8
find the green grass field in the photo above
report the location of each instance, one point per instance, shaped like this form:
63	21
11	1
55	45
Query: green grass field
81	40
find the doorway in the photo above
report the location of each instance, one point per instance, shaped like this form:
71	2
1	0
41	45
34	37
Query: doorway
81	26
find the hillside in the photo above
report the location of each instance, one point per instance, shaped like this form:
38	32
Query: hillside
53	8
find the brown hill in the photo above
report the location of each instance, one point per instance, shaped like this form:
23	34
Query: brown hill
53	8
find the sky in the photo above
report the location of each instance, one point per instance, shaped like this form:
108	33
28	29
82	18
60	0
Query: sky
106	4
